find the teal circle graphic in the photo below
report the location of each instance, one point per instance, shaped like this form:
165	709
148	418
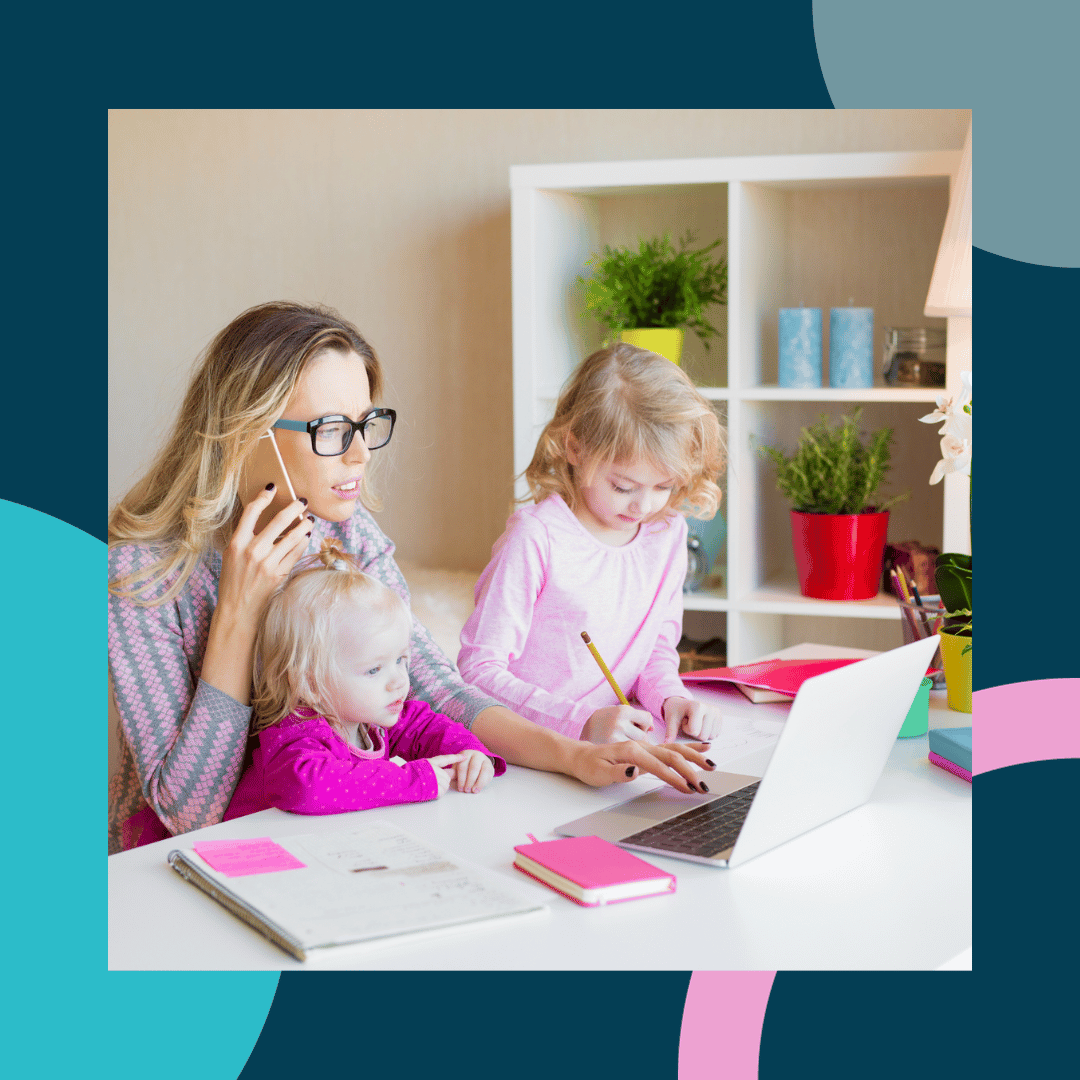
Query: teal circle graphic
69	1011
1015	67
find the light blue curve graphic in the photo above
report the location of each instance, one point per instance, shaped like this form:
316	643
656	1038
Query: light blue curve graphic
1014	65
68	1013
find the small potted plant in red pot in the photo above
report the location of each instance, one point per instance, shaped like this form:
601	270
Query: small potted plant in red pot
838	524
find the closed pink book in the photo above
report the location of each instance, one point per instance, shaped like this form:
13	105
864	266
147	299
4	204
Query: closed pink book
590	871
950	766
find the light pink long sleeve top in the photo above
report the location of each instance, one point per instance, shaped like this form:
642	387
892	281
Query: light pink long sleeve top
549	578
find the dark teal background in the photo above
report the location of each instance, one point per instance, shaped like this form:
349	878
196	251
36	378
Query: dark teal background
70	1016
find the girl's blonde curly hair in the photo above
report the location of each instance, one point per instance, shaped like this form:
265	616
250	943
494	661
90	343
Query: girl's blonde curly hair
628	404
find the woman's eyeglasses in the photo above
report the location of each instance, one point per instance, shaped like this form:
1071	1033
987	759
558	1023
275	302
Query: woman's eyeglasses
332	435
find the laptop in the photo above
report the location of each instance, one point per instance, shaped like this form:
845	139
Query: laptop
831	752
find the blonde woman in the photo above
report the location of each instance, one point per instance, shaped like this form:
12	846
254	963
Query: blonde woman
190	577
632	448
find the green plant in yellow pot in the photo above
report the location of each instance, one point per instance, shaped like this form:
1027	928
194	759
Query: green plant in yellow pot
953	570
650	296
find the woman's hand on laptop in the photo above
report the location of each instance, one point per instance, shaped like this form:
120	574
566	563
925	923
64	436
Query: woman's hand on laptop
693	718
677	764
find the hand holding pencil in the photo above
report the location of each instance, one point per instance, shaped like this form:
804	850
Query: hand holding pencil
613	723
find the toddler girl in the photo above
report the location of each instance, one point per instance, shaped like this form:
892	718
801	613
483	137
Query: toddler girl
631	448
331	678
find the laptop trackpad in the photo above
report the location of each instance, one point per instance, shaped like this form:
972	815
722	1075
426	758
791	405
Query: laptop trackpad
659	805
639	813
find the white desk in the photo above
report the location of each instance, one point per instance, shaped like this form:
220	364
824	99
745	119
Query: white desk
885	886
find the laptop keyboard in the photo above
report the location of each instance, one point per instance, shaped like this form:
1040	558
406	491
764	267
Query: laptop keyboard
704	830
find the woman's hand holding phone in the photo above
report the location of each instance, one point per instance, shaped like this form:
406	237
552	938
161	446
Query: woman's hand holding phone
252	566
255	563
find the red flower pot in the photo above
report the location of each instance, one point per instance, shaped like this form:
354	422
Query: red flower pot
839	556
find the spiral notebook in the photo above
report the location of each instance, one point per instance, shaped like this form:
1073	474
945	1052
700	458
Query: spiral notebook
371	883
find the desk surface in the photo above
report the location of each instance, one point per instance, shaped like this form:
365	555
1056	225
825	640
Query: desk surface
887	885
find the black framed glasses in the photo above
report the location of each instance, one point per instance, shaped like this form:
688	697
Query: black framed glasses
333	435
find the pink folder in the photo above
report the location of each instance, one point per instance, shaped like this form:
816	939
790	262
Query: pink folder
779	676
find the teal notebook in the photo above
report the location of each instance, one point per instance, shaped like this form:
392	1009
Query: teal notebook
953	744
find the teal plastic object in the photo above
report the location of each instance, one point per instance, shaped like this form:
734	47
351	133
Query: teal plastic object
711	537
918	717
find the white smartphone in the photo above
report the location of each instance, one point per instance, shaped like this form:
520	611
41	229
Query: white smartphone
266	467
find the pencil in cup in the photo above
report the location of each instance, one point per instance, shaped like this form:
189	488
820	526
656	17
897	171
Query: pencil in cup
914	628
922	608
906	603
604	668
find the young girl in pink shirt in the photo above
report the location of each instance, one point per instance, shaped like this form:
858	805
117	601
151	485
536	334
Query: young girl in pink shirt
632	448
329	705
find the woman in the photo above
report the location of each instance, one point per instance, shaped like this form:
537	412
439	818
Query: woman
189	574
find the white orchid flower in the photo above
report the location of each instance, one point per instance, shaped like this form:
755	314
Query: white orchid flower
955	457
954	415
952	411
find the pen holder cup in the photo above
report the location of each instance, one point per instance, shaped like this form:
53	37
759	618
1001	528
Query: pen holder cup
919	622
917	721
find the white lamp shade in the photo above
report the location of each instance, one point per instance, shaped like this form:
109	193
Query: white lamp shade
950	286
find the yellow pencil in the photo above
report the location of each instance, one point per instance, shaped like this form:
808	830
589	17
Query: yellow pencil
604	668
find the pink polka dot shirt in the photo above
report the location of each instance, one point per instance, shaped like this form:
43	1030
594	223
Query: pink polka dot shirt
304	766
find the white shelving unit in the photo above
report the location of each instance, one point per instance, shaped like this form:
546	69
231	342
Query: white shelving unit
821	230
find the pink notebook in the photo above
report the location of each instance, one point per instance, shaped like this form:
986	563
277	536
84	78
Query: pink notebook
590	871
950	766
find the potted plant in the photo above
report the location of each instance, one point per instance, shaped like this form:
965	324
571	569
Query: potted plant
648	297
838	527
952	571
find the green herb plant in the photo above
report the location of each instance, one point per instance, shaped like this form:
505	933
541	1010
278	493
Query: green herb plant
832	471
656	286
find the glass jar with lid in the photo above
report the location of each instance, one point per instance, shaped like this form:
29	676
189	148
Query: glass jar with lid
914	356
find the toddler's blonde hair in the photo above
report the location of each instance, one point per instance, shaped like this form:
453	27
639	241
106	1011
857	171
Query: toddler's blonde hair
294	648
628	404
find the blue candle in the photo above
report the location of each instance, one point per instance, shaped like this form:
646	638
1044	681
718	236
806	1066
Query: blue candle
851	347
800	347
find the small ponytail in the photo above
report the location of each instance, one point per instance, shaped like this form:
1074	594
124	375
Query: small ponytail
334	557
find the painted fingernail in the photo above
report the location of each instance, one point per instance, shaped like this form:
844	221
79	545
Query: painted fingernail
630	771
270	486
303	500
709	761
703	785
311	518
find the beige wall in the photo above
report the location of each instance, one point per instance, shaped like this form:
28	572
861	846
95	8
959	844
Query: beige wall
400	220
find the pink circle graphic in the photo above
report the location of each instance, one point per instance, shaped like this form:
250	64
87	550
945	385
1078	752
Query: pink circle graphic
1026	721
721	1024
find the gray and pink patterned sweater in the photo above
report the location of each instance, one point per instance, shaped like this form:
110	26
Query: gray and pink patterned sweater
181	740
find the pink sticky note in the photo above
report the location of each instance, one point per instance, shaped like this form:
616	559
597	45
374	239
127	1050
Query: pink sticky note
234	858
